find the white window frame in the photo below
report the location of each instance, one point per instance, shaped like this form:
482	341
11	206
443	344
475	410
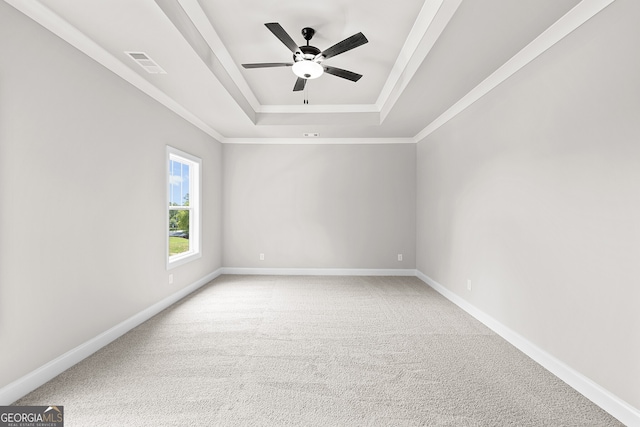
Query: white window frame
195	229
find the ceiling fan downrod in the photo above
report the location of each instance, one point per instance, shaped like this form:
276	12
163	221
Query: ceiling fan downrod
308	33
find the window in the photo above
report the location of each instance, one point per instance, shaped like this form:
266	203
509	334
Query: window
183	216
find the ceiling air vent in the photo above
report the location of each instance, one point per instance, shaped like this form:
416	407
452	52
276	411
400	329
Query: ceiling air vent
311	134
147	63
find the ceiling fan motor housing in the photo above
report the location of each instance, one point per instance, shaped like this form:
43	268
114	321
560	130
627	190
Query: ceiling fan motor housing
308	53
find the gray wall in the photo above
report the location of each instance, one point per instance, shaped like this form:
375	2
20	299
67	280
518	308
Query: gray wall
82	181
533	193
319	206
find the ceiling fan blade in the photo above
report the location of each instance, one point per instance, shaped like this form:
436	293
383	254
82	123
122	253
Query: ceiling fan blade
345	45
282	35
345	74
268	65
300	83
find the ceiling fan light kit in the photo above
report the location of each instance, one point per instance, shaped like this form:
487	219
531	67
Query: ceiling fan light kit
307	60
307	69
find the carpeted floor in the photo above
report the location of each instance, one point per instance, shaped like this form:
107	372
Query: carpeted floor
314	351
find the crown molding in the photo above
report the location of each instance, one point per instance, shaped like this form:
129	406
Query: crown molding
317	141
320	109
573	19
430	23
199	19
51	21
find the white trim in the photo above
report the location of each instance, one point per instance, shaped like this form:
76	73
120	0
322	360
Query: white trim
425	17
317	109
410	57
51	21
427	28
319	141
182	259
20	387
195	208
319	271
577	16
615	406
422	37
431	22
592	391
199	19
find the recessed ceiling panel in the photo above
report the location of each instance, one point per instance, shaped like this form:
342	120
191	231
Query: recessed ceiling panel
240	26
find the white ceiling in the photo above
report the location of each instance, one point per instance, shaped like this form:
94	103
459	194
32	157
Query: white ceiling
425	60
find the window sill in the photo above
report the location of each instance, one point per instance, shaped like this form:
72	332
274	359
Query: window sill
178	260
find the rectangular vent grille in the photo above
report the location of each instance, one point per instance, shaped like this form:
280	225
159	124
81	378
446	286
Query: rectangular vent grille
147	63
311	134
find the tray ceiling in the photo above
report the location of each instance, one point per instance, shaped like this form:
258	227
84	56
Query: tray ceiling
424	62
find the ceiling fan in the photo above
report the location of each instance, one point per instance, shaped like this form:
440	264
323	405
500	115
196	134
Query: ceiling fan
307	60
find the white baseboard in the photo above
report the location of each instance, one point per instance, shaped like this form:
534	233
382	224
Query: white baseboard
20	387
615	406
320	271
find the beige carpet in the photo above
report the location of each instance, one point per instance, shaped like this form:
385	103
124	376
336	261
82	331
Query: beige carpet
314	351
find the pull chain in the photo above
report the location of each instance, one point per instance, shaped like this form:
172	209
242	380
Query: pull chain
306	96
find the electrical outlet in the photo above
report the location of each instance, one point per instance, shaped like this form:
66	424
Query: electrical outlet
261	257
399	257
171	279
469	284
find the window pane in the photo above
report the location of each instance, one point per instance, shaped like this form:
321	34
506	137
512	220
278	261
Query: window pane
185	185
178	231
178	183
183	213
